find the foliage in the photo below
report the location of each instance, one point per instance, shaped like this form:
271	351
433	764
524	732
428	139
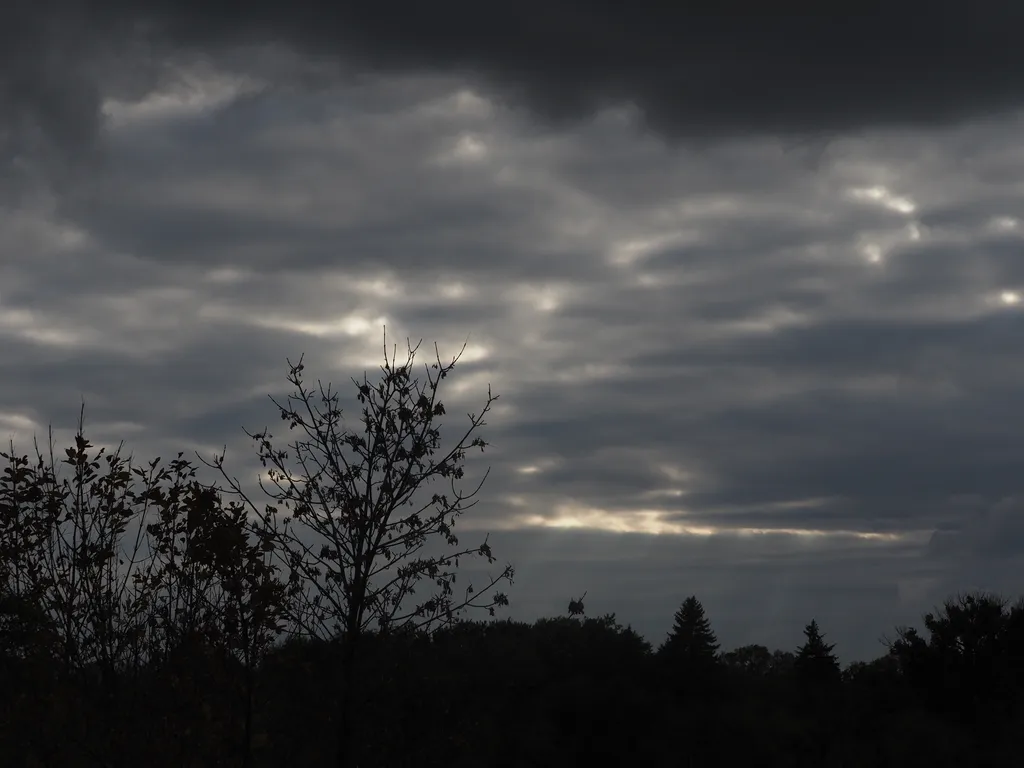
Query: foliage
815	663
691	639
576	607
116	577
355	521
975	644
360	497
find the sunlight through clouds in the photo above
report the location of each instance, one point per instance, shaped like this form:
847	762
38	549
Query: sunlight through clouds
353	324
590	372
472	385
36	327
655	522
873	252
452	290
194	91
473	353
669	493
877	245
885	198
772	320
228	275
463	104
539	465
1005	224
618	521
545	298
629	252
19	429
467	149
385	287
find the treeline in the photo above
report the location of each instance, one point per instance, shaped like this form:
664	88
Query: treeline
148	618
507	693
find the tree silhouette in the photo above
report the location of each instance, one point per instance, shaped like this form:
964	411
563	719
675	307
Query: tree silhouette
361	496
689	660
112	577
689	654
975	645
576	607
755	660
815	663
142	618
691	639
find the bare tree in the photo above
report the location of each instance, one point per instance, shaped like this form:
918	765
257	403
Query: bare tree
358	527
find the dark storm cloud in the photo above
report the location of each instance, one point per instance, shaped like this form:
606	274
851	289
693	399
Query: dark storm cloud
728	69
732	70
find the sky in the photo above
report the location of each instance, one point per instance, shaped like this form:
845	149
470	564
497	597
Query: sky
749	288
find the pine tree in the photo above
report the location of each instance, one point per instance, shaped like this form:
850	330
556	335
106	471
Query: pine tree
815	663
691	640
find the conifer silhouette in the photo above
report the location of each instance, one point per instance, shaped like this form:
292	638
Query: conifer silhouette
815	662
691	638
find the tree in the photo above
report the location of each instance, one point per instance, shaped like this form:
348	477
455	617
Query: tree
576	607
96	596
689	659
690	652
755	660
358	520
782	662
691	639
216	589
973	647
61	541
815	663
970	627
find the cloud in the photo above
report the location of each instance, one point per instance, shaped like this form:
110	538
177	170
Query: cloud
706	74
703	72
707	342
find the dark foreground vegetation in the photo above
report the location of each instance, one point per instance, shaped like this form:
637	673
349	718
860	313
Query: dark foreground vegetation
149	619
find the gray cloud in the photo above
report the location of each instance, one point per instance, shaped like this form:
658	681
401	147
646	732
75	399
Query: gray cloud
698	74
738	336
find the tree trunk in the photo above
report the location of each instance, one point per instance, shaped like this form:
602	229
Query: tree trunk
346	752
247	736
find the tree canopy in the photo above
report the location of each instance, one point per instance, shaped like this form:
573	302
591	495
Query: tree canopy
691	639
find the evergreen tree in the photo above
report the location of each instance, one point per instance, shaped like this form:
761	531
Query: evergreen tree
815	662
691	640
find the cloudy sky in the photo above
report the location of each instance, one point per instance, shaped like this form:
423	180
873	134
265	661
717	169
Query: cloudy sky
749	288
